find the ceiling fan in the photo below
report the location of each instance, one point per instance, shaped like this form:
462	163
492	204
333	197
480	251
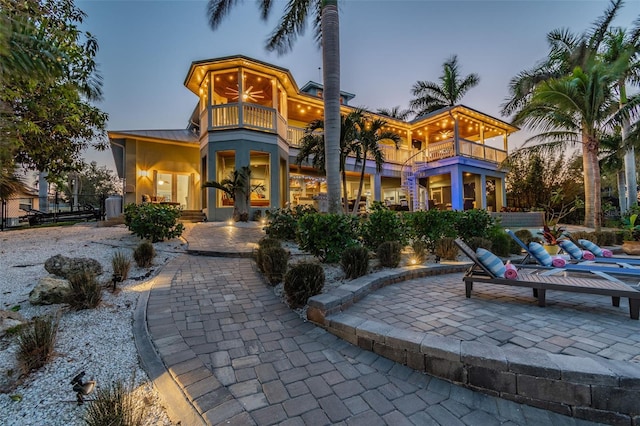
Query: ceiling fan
249	94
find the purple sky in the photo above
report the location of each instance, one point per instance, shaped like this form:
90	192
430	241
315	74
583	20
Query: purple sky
146	48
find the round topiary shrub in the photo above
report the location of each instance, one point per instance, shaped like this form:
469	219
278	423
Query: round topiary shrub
302	281
355	261
274	263
389	254
479	242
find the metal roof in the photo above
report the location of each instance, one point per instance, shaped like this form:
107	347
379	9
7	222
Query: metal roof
179	135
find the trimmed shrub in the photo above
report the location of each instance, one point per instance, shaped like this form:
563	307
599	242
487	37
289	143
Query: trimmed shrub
121	264
86	291
501	242
583	235
473	223
36	342
477	242
604	238
431	225
326	236
525	236
264	243
355	261
115	405
446	248
389	254
153	221
274	263
380	226
144	254
283	223
302	281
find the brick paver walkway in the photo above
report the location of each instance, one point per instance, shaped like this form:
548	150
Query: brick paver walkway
240	356
571	324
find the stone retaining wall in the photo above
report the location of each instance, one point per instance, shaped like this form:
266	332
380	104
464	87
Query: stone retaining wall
599	390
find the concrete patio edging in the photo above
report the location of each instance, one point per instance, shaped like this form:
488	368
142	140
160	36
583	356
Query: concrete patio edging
600	390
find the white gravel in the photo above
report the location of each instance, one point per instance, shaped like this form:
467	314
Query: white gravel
98	341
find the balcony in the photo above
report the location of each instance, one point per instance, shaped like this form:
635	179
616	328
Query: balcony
243	116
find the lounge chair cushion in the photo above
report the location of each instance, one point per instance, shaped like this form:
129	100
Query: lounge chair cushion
491	262
593	248
573	250
540	254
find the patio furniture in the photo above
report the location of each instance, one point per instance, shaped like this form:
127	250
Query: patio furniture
574	251
540	283
613	268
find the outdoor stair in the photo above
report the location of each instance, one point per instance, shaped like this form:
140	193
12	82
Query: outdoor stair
192	216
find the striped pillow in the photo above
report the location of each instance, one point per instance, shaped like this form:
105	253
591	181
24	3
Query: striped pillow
491	262
593	248
540	254
573	250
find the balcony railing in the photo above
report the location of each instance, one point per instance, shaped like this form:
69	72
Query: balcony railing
446	149
231	116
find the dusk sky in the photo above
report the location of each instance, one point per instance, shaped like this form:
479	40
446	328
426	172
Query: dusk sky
146	48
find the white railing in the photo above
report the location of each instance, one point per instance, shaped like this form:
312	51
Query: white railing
283	129
439	150
294	134
204	121
253	117
258	117
394	155
224	116
483	152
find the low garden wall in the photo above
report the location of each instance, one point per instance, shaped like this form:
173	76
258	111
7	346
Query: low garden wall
519	219
599	390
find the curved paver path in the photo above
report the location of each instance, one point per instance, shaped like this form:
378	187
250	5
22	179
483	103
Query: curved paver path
229	351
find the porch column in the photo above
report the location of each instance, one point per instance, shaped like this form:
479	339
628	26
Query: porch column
240	101
483	191
501	194
456	136
274	179
457	190
376	184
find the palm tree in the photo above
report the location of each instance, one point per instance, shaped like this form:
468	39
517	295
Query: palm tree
619	44
313	146
327	31
369	138
569	97
237	187
448	92
395	112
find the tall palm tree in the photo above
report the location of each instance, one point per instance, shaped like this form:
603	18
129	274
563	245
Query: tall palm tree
370	135
620	44
431	96
395	112
327	31
313	146
569	96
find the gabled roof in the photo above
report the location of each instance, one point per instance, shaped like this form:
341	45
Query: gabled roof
469	111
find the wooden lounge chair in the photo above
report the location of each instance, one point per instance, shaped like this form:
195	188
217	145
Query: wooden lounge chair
595	266
540	283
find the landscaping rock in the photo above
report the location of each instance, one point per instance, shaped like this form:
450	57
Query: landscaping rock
50	290
63	266
9	319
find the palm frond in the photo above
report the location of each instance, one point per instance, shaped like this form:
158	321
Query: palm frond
292	24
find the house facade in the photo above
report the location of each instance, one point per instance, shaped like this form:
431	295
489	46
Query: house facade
251	113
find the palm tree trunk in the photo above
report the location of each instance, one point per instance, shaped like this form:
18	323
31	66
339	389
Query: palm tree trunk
629	156
356	205
592	203
622	191
331	75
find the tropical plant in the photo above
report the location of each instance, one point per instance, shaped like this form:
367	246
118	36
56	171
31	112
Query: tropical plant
153	221
631	227
446	248
552	234
327	32
570	97
303	280
274	263
448	92
382	225
389	254
370	134
36	343
312	146
395	112
238	188
121	264
144	254
115	405
85	291
264	244
283	223
355	261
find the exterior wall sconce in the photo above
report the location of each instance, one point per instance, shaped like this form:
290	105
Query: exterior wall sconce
143	173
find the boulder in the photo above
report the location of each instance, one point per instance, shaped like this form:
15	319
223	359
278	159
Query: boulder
63	266
50	290
9	319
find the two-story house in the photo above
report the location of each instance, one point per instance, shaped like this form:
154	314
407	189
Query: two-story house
253	113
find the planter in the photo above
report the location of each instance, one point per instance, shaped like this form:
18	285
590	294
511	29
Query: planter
631	247
552	249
